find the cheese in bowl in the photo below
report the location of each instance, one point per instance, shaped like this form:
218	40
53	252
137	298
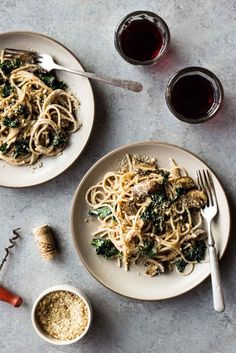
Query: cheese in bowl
61	315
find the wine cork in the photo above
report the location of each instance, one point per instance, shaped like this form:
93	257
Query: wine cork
45	241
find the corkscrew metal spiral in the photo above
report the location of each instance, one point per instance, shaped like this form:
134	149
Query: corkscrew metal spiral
8	249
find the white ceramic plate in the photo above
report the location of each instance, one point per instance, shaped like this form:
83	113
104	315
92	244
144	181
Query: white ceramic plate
24	176
134	283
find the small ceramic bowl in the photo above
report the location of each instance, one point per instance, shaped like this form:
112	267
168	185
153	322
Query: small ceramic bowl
67	288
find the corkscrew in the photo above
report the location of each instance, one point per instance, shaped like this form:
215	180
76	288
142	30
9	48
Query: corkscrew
5	294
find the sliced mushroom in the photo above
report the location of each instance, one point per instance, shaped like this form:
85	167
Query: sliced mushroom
150	167
185	182
198	234
144	188
195	199
154	267
130	208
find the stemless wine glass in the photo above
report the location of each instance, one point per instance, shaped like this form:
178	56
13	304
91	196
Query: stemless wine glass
194	94
142	38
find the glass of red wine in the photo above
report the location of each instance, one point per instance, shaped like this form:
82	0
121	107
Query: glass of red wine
194	95
142	38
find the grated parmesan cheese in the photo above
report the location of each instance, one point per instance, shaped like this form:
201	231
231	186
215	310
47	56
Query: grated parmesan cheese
62	315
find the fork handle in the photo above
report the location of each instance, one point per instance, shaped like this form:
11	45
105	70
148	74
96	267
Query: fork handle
126	84
218	298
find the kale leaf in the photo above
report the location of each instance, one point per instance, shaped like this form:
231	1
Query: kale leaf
8	66
165	176
195	252
6	89
2	80
4	148
22	110
51	81
14	123
147	248
21	147
151	215
101	212
179	191
159	198
59	139
105	248
152	212
180	264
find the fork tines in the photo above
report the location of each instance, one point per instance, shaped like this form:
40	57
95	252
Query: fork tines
205	183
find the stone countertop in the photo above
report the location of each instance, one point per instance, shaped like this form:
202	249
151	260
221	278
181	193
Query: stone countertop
203	33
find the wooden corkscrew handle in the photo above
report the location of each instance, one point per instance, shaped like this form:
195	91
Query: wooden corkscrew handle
10	298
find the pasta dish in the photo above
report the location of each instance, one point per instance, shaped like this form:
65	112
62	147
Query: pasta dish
148	215
37	113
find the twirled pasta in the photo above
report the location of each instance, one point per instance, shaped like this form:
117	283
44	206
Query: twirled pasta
151	214
36	116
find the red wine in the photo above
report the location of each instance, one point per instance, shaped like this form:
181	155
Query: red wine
192	96
141	40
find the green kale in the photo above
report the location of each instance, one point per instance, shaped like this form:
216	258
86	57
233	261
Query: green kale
150	215
180	264
101	212
4	148
147	248
194	252
2	80
51	81
179	191
14	123
159	198
8	66
153	212
165	176
59	139
6	89
21	148
22	110
105	248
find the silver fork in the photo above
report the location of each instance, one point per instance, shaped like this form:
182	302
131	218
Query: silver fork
205	183
47	63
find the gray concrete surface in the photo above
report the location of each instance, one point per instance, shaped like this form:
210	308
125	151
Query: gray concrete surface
203	33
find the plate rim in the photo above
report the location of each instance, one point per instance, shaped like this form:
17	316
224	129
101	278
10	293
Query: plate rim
93	99
135	144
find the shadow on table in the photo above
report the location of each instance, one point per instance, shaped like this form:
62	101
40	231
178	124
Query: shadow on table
228	262
100	334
